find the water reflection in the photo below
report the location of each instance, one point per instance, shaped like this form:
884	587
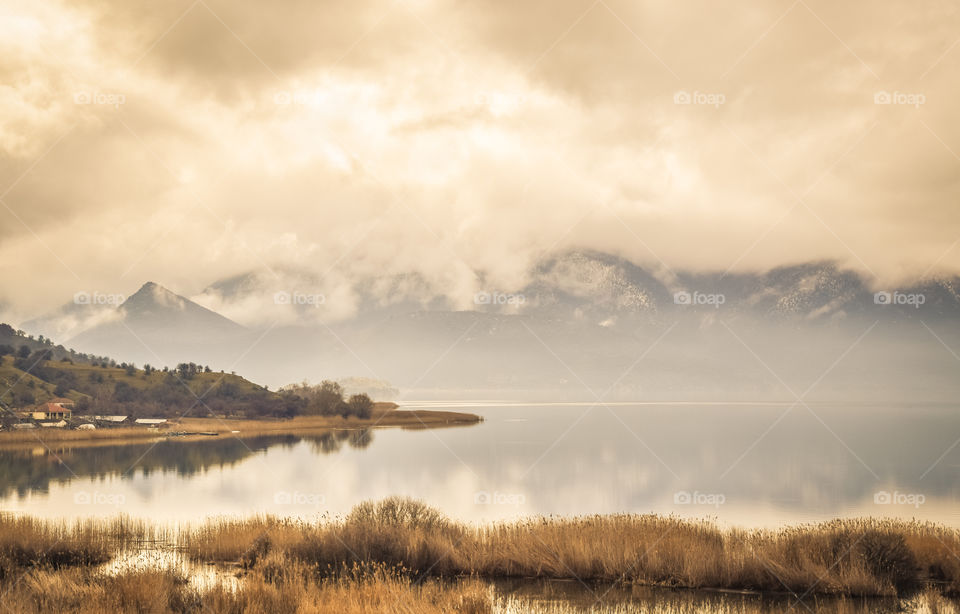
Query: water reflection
746	465
24	471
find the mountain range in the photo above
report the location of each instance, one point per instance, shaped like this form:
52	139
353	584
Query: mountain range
585	325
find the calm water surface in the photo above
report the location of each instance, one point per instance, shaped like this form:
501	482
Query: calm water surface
752	465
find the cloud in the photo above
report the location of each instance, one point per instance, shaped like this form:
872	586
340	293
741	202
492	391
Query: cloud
187	142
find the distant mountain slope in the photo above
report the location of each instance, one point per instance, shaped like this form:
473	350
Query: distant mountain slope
158	326
154	308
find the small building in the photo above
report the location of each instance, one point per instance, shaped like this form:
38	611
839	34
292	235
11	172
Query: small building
111	419
86	426
53	425
152	422
23	426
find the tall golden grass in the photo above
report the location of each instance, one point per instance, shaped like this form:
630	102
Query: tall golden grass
402	551
288	591
284	588
864	557
30	542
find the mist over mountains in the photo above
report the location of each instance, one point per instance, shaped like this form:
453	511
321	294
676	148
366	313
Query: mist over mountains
587	326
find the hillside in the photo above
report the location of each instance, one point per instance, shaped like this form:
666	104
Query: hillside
104	389
35	371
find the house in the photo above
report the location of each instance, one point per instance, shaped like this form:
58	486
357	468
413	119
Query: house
63	402
55	411
152	422
46	411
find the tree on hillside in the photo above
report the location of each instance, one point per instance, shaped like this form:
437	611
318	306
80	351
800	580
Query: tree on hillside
24	351
187	370
6	350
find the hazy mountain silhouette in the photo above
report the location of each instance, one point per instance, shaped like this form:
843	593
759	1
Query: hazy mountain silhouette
155	325
586	324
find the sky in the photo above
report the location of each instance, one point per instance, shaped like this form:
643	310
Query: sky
188	141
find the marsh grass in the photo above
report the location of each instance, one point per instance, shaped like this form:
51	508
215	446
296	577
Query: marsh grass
862	557
402	551
30	542
374	590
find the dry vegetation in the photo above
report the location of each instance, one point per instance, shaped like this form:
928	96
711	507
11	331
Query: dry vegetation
398	555
28	542
850	557
287	592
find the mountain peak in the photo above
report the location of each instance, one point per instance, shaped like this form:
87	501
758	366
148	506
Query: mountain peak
152	296
151	289
156	316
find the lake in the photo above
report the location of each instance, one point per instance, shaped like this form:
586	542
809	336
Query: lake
748	465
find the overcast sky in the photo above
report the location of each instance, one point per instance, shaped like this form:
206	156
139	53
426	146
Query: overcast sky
185	141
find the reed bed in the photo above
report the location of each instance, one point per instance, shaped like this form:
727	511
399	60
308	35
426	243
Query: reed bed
376	590
862	557
31	542
409	551
290	589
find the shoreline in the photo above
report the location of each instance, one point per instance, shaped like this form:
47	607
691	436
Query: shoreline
386	415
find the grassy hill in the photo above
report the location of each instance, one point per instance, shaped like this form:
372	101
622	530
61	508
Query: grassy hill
127	390
34	371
